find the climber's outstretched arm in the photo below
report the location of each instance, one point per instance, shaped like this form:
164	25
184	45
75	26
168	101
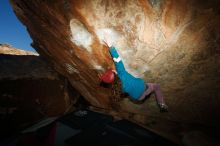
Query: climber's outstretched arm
115	56
117	60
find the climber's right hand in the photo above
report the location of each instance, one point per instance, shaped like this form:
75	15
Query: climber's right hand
107	41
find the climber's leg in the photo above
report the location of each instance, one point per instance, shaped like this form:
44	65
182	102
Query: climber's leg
155	88
149	90
158	94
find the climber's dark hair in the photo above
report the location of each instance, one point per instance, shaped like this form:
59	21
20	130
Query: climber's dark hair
116	89
117	93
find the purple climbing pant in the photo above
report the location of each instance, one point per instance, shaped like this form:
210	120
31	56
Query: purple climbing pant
153	88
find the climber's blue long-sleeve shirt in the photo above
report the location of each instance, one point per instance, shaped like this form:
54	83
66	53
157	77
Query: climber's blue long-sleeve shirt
134	87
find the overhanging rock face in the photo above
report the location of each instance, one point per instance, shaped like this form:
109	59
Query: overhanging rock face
174	43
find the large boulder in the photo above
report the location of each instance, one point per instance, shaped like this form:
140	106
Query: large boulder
174	43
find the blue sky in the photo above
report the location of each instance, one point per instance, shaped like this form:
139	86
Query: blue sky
11	30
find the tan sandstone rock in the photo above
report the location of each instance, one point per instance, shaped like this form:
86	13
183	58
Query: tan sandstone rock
172	42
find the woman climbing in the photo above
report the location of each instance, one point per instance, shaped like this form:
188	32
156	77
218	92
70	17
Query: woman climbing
136	88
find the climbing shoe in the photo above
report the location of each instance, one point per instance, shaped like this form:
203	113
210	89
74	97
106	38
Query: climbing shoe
163	107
